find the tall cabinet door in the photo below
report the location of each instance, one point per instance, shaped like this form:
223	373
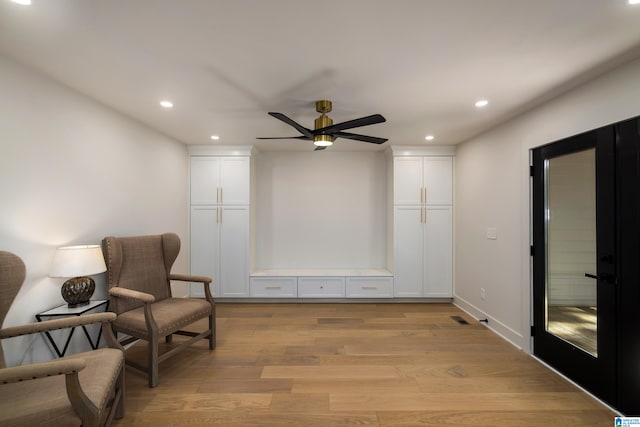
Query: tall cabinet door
205	180
438	252
438	180
234	181
407	181
205	247
408	251
234	251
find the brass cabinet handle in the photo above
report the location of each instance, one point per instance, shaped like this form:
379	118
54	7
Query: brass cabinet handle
273	287
370	287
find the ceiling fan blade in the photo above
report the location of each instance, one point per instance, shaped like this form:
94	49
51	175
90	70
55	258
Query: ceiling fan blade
362	121
286	137
358	137
303	130
320	147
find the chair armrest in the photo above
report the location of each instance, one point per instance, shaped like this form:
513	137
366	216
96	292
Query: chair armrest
190	278
205	280
119	292
41	370
51	325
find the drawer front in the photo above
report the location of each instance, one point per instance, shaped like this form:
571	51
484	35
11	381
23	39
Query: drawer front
321	287
369	287
274	287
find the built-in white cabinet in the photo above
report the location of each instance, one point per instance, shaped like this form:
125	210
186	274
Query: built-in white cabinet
423	180
369	287
322	283
274	287
219	180
321	287
423	251
220	220
220	249
423	223
419	229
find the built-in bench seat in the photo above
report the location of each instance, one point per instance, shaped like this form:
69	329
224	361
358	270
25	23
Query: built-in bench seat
321	283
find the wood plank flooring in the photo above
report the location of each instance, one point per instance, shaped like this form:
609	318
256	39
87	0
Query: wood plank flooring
354	364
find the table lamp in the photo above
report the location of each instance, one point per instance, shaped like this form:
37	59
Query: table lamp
77	262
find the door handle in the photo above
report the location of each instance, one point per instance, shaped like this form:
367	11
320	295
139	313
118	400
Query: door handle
605	277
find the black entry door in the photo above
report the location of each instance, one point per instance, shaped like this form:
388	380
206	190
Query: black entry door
574	259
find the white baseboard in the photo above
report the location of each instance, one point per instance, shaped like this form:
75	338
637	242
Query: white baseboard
510	335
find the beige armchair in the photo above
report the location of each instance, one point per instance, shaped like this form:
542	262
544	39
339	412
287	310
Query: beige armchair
139	280
82	389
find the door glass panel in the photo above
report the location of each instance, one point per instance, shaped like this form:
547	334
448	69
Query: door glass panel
570	228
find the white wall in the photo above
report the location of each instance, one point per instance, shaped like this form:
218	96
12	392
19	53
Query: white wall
492	190
71	172
320	210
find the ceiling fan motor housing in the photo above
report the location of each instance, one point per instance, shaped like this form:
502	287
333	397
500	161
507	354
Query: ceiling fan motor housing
322	122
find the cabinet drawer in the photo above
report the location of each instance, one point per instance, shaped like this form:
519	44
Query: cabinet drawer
321	287
369	287
274	287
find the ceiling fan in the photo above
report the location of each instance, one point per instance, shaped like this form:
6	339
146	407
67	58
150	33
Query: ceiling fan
325	132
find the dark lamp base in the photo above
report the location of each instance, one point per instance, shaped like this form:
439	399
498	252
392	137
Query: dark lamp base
78	291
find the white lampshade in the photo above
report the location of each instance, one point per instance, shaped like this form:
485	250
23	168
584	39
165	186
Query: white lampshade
75	261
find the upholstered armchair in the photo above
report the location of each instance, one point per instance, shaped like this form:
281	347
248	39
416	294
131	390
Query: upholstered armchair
139	281
84	389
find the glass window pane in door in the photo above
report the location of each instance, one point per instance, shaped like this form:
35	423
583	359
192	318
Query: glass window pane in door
570	227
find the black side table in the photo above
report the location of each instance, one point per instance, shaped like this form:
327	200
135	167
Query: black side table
66	311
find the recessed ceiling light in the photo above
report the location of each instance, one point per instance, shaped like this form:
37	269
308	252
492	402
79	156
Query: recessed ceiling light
166	104
215	137
429	137
634	1
22	2
482	103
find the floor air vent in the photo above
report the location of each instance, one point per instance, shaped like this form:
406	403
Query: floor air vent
460	320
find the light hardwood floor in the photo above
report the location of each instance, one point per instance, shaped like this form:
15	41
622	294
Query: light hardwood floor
354	364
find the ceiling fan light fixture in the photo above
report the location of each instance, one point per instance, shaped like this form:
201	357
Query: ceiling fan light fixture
323	140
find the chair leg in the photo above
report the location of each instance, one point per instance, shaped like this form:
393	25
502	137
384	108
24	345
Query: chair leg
212	328
120	387
153	360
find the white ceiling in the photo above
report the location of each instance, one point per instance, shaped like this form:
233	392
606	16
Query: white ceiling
224	64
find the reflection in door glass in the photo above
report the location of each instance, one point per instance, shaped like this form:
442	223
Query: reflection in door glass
570	228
